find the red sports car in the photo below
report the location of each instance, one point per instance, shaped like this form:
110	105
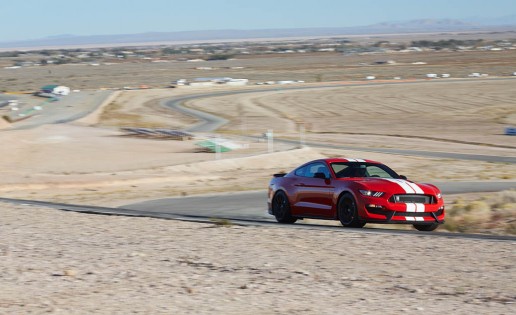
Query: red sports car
356	192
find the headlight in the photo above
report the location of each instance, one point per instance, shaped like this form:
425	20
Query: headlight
371	193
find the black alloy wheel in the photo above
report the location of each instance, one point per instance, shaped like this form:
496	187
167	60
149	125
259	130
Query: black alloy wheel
347	211
281	208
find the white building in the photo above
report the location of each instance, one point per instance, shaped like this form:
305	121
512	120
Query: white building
218	81
56	89
237	82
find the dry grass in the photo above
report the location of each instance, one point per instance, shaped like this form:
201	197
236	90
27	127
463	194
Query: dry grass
114	115
492	213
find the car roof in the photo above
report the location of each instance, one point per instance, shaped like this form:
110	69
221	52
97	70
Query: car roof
347	160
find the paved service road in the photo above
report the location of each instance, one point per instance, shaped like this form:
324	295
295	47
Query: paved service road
253	205
208	122
69	108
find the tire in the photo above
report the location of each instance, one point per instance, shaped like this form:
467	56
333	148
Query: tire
281	208
348	213
426	227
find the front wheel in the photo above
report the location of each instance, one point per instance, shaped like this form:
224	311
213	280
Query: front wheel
281	208
426	227
348	213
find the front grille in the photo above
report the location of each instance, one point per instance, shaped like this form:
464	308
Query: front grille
411	199
390	214
419	214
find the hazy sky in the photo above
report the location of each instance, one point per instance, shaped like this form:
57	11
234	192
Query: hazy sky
30	19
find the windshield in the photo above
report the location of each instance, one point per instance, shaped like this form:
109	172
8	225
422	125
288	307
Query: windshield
353	169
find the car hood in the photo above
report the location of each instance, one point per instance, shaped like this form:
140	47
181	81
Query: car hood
396	186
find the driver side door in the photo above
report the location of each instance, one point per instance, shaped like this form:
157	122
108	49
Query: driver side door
314	195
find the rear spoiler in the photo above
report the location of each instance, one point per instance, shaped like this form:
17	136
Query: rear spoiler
280	174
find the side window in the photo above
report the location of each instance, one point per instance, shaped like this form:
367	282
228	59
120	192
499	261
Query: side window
317	168
301	171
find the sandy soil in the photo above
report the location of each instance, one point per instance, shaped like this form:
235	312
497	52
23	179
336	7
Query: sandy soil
69	263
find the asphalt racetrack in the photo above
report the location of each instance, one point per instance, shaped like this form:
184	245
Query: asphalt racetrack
253	205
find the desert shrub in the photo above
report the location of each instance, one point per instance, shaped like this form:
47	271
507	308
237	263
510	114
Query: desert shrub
510	228
479	209
508	196
221	222
451	224
494	213
220	57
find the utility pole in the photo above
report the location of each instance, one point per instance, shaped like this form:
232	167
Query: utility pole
270	140
302	135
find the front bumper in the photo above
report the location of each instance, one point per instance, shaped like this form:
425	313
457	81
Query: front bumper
383	211
388	216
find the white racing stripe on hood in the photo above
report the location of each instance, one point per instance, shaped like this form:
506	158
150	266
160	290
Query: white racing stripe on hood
408	187
416	188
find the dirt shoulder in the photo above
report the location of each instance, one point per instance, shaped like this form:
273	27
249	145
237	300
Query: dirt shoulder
122	265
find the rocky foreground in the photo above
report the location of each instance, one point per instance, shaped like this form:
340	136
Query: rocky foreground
70	263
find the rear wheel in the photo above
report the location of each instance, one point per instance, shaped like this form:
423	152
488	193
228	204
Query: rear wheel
281	208
348	213
426	227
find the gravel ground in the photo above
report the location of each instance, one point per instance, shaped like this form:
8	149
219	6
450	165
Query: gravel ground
69	263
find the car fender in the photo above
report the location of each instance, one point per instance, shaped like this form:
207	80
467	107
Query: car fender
352	188
336	197
435	188
276	185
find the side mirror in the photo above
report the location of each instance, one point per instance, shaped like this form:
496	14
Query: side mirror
403	177
320	175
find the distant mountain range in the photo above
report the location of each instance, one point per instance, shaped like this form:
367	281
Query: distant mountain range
415	26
